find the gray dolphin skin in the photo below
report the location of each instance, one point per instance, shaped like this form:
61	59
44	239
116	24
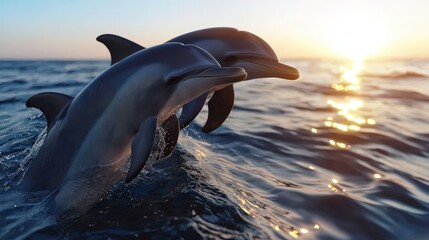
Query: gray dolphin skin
231	48
116	115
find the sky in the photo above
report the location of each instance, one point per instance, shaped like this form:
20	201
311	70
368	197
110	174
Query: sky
59	29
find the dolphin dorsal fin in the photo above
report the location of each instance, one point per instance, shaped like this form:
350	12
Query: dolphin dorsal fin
118	47
50	103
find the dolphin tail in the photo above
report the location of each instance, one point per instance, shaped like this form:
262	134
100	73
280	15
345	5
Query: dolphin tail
50	103
141	147
220	105
191	110
118	47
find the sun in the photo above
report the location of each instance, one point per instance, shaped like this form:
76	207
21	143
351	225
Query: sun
356	37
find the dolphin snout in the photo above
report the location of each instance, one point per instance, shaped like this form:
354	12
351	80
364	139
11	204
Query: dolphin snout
223	75
258	68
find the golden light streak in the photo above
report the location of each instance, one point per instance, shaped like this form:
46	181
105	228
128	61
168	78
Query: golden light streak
200	153
245	210
342	127
348	115
335	188
294	233
328	123
338	144
348	82
354	127
351	104
370	121
247	206
346	88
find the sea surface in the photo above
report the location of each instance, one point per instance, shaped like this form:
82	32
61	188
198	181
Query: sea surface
341	153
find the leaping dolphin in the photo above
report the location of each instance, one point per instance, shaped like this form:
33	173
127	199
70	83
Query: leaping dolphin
116	114
230	47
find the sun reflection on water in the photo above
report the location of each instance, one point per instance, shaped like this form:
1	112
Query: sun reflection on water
348	118
295	233
248	207
253	210
349	107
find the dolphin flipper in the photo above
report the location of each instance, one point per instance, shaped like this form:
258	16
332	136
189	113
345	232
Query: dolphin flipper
220	105
141	147
119	47
191	110
50	103
171	127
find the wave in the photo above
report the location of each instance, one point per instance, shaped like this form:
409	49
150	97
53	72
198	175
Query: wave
405	95
395	75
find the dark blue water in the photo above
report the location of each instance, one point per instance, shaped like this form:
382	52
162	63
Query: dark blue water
342	153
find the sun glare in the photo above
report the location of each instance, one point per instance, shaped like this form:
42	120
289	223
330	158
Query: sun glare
356	37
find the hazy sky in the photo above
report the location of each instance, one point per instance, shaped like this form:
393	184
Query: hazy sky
55	29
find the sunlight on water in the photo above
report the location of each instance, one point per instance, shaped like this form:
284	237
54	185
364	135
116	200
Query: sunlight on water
334	186
348	79
295	233
348	118
349	107
248	207
338	144
252	209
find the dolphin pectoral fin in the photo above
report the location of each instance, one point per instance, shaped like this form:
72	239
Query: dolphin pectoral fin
118	47
191	110
50	103
171	128
141	147
220	105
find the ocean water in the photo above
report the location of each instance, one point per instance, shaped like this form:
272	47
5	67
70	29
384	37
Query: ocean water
341	153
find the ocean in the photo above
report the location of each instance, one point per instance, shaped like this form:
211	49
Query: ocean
341	153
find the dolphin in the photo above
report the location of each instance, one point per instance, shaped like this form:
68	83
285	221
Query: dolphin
116	115
230	47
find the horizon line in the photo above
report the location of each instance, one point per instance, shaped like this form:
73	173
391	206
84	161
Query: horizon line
280	58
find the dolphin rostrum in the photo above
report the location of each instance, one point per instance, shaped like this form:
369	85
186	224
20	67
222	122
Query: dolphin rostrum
230	47
116	114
